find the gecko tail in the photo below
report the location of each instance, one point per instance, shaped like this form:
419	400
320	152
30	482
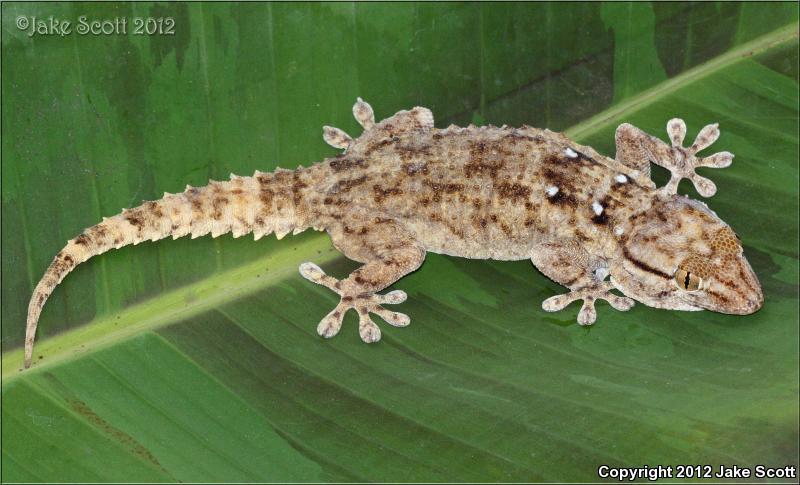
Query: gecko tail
62	264
261	204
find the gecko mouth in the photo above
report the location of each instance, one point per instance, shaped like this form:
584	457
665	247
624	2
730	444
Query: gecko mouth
736	297
690	305
669	299
674	300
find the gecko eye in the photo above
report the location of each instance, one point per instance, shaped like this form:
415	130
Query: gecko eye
687	281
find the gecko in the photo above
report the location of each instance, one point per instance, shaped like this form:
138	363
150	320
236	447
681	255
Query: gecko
404	188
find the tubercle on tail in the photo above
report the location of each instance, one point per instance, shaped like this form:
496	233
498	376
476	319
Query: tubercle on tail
262	204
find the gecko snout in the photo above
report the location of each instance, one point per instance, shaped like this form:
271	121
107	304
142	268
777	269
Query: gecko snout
750	289
735	290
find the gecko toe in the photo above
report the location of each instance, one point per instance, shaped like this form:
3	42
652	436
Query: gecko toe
332	323
704	186
621	303
367	329
717	160
393	297
336	138
707	136
311	272
588	314
676	129
315	274
363	113
556	303
395	319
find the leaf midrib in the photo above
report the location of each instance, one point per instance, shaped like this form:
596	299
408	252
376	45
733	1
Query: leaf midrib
645	98
173	306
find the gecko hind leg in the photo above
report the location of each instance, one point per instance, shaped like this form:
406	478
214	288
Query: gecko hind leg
388	253
364	304
337	138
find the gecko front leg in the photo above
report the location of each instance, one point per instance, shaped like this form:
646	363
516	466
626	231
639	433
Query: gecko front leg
566	263
388	252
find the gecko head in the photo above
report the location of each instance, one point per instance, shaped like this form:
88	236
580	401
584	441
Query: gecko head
679	255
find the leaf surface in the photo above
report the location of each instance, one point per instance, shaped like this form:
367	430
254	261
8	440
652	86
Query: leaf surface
200	360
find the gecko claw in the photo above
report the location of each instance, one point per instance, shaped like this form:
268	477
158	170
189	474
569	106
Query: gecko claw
363	303
587	315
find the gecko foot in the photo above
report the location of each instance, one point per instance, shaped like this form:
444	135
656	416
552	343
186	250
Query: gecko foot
588	315
682	161
337	138
353	298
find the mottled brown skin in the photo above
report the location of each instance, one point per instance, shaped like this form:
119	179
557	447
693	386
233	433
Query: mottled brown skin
404	188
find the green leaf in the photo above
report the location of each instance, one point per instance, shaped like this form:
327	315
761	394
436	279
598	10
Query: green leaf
636	63
200	361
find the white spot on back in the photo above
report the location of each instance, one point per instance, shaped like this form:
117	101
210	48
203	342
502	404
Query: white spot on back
570	153
597	208
618	231
551	191
621	178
